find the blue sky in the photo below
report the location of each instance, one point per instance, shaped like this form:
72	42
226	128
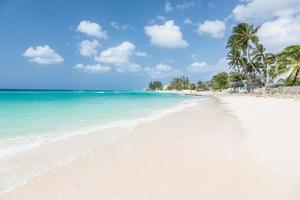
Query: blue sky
110	44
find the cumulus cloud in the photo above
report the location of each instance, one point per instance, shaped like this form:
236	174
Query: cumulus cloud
89	47
280	21
96	68
161	71
120	56
43	55
260	10
280	33
167	35
213	28
92	29
208	69
197	67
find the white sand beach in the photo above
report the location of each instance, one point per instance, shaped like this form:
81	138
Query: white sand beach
227	148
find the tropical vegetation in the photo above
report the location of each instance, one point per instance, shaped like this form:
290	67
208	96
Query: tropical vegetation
220	81
180	83
250	65
155	85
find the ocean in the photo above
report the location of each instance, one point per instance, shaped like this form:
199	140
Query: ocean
30	118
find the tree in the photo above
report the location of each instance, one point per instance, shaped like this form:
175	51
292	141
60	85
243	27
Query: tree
241	43
237	79
201	86
155	85
244	38
236	59
289	62
193	86
220	81
266	61
180	83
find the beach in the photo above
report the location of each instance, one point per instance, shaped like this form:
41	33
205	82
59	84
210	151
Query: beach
217	149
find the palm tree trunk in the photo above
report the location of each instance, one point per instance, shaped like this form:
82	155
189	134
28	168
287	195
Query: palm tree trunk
296	76
267	78
249	61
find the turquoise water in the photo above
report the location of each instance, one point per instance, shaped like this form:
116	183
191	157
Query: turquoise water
31	119
24	112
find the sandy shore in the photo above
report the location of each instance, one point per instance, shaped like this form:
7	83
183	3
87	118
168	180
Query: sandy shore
218	149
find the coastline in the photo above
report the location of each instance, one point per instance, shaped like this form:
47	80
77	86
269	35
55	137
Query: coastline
189	154
62	149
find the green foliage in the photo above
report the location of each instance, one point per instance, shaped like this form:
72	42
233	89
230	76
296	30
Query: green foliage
244	37
291	82
193	86
220	81
155	85
237	79
289	62
180	83
247	57
251	65
202	86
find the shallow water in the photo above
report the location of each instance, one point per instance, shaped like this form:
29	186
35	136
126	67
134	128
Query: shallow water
29	118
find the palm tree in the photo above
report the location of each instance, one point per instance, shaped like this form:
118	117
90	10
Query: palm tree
244	38
266	60
236	60
289	62
237	79
180	83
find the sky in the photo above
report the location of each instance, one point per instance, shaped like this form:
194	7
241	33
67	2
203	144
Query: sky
114	44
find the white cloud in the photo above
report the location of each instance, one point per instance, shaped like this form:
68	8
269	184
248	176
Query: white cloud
187	21
280	33
185	5
193	56
161	18
280	21
213	28
43	55
197	67
121	56
161	71
141	54
168	7
89	47
130	67
96	68
180	6
116	25
167	35
210	69
260	10
118	55
91	29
